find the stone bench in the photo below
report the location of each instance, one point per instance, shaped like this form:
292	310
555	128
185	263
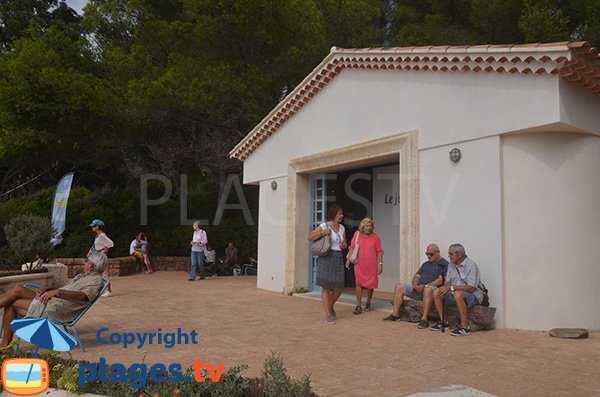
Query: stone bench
480	317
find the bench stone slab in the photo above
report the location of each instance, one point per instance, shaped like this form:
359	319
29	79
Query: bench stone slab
480	317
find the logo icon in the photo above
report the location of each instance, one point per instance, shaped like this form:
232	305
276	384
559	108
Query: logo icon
25	376
30	376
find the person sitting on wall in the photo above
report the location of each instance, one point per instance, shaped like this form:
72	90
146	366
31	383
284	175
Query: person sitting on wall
210	259
425	281
460	289
135	251
21	301
145	252
231	256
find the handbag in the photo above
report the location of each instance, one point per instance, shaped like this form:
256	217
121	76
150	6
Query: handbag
354	255
322	246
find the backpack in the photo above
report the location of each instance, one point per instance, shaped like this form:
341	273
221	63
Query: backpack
486	297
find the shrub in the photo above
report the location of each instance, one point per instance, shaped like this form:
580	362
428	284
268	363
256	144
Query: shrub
119	208
278	383
29	236
298	290
274	381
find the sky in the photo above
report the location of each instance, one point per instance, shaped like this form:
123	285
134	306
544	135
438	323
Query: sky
77	5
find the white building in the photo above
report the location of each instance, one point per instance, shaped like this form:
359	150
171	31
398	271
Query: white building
524	199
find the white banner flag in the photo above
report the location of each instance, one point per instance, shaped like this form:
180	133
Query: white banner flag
59	209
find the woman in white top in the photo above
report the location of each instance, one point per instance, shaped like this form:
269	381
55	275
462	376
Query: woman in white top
199	240
330	268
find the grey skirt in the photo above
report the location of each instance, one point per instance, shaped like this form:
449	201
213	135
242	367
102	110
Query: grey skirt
330	270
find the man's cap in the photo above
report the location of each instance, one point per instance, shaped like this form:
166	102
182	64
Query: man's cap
96	222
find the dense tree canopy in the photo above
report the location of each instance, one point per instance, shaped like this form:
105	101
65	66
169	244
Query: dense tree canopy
169	86
17	16
164	86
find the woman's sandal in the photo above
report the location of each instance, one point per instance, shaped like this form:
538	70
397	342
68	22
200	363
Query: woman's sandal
357	310
368	306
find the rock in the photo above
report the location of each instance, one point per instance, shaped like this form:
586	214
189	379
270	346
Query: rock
569	333
453	391
480	317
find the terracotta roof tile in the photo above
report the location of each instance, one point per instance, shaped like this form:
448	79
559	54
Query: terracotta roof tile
577	62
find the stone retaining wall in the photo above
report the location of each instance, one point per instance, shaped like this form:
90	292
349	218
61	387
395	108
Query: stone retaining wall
124	266
45	278
171	263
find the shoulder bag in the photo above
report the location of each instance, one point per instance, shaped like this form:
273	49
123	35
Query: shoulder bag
322	246
354	255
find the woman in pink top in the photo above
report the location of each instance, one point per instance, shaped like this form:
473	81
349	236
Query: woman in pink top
370	262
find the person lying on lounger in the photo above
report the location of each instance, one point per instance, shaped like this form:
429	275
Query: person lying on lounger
22	301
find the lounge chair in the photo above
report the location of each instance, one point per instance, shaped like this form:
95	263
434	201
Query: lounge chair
85	306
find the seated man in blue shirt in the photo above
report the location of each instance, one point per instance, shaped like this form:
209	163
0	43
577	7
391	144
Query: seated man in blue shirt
426	280
461	289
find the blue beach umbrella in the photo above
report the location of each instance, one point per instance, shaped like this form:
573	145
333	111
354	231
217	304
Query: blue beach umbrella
43	333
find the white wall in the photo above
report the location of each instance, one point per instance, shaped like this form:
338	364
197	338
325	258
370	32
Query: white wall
552	229
359	105
461	203
537	257
579	107
272	219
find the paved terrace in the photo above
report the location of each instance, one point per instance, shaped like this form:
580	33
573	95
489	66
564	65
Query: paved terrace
359	356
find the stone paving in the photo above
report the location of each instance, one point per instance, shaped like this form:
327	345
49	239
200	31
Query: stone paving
359	356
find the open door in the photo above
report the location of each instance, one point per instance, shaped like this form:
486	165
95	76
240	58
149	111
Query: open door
318	214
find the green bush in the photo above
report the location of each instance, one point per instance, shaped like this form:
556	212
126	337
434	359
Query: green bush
29	236
119	208
274	382
278	383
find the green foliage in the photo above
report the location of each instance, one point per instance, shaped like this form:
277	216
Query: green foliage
144	86
451	22
298	290
17	15
29	236
354	24
69	378
541	21
274	381
496	21
55	111
168	234
278	383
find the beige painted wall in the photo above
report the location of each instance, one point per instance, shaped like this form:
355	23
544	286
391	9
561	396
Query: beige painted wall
552	230
461	203
271	238
485	201
360	105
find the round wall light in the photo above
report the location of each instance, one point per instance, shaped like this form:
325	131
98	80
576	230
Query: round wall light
274	185
455	155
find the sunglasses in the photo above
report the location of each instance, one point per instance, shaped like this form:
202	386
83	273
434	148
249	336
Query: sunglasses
430	253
